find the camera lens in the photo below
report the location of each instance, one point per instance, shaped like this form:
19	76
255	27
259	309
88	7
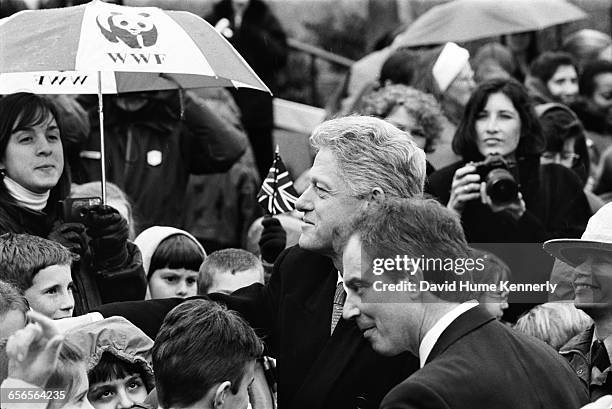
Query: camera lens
501	186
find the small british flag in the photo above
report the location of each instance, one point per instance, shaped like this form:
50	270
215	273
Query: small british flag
277	194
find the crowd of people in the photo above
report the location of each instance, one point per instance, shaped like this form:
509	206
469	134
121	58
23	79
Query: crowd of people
444	157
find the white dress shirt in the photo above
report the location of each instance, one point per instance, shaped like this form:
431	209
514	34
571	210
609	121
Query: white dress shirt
431	337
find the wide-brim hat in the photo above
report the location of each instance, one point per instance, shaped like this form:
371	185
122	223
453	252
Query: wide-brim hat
596	237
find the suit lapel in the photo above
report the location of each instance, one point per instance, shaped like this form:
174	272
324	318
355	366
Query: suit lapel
331	354
464	324
339	350
305	323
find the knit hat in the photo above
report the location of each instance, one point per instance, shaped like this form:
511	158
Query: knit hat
597	236
450	62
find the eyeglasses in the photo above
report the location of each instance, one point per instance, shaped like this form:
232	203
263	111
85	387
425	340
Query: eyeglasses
562	158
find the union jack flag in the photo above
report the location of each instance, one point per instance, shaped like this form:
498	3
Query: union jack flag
277	194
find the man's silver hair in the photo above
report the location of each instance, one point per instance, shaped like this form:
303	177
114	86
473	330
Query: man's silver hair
373	153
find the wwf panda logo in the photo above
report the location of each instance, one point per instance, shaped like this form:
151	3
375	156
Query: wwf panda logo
135	30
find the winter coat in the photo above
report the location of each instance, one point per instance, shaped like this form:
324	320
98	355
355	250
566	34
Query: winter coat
577	351
92	287
151	152
221	206
262	42
553	195
556	207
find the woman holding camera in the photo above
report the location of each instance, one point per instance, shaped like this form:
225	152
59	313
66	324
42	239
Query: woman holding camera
499	188
34	177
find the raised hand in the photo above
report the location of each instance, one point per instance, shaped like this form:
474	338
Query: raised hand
33	351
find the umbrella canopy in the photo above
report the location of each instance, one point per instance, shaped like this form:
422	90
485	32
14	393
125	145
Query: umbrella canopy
467	20
86	82
122	43
106	48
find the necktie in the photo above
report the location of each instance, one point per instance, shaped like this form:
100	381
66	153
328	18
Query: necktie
599	356
339	297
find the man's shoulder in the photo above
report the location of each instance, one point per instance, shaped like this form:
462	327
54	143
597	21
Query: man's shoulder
478	351
298	258
416	390
303	270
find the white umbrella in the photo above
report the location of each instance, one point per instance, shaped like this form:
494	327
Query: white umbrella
105	48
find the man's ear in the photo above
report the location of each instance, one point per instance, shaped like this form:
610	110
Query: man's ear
376	195
415	279
221	394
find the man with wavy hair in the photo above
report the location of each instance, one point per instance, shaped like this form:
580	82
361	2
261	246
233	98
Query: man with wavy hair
323	360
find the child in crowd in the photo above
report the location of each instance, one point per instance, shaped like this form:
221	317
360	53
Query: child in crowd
119	362
40	270
38	358
171	259
554	323
214	372
225	271
495	270
13	309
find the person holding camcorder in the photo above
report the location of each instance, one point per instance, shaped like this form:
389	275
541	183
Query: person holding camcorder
34	178
499	188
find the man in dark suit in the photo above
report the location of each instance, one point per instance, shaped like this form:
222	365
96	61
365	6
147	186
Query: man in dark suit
468	359
323	362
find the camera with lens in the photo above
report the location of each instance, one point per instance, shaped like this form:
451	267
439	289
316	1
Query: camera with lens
75	210
501	186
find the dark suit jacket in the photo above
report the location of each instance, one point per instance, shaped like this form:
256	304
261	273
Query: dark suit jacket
480	363
293	314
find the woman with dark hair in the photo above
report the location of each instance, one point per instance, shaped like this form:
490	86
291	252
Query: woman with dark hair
594	107
566	145
500	140
553	77
33	177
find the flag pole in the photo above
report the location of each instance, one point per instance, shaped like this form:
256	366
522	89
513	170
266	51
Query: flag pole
102	150
276	154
